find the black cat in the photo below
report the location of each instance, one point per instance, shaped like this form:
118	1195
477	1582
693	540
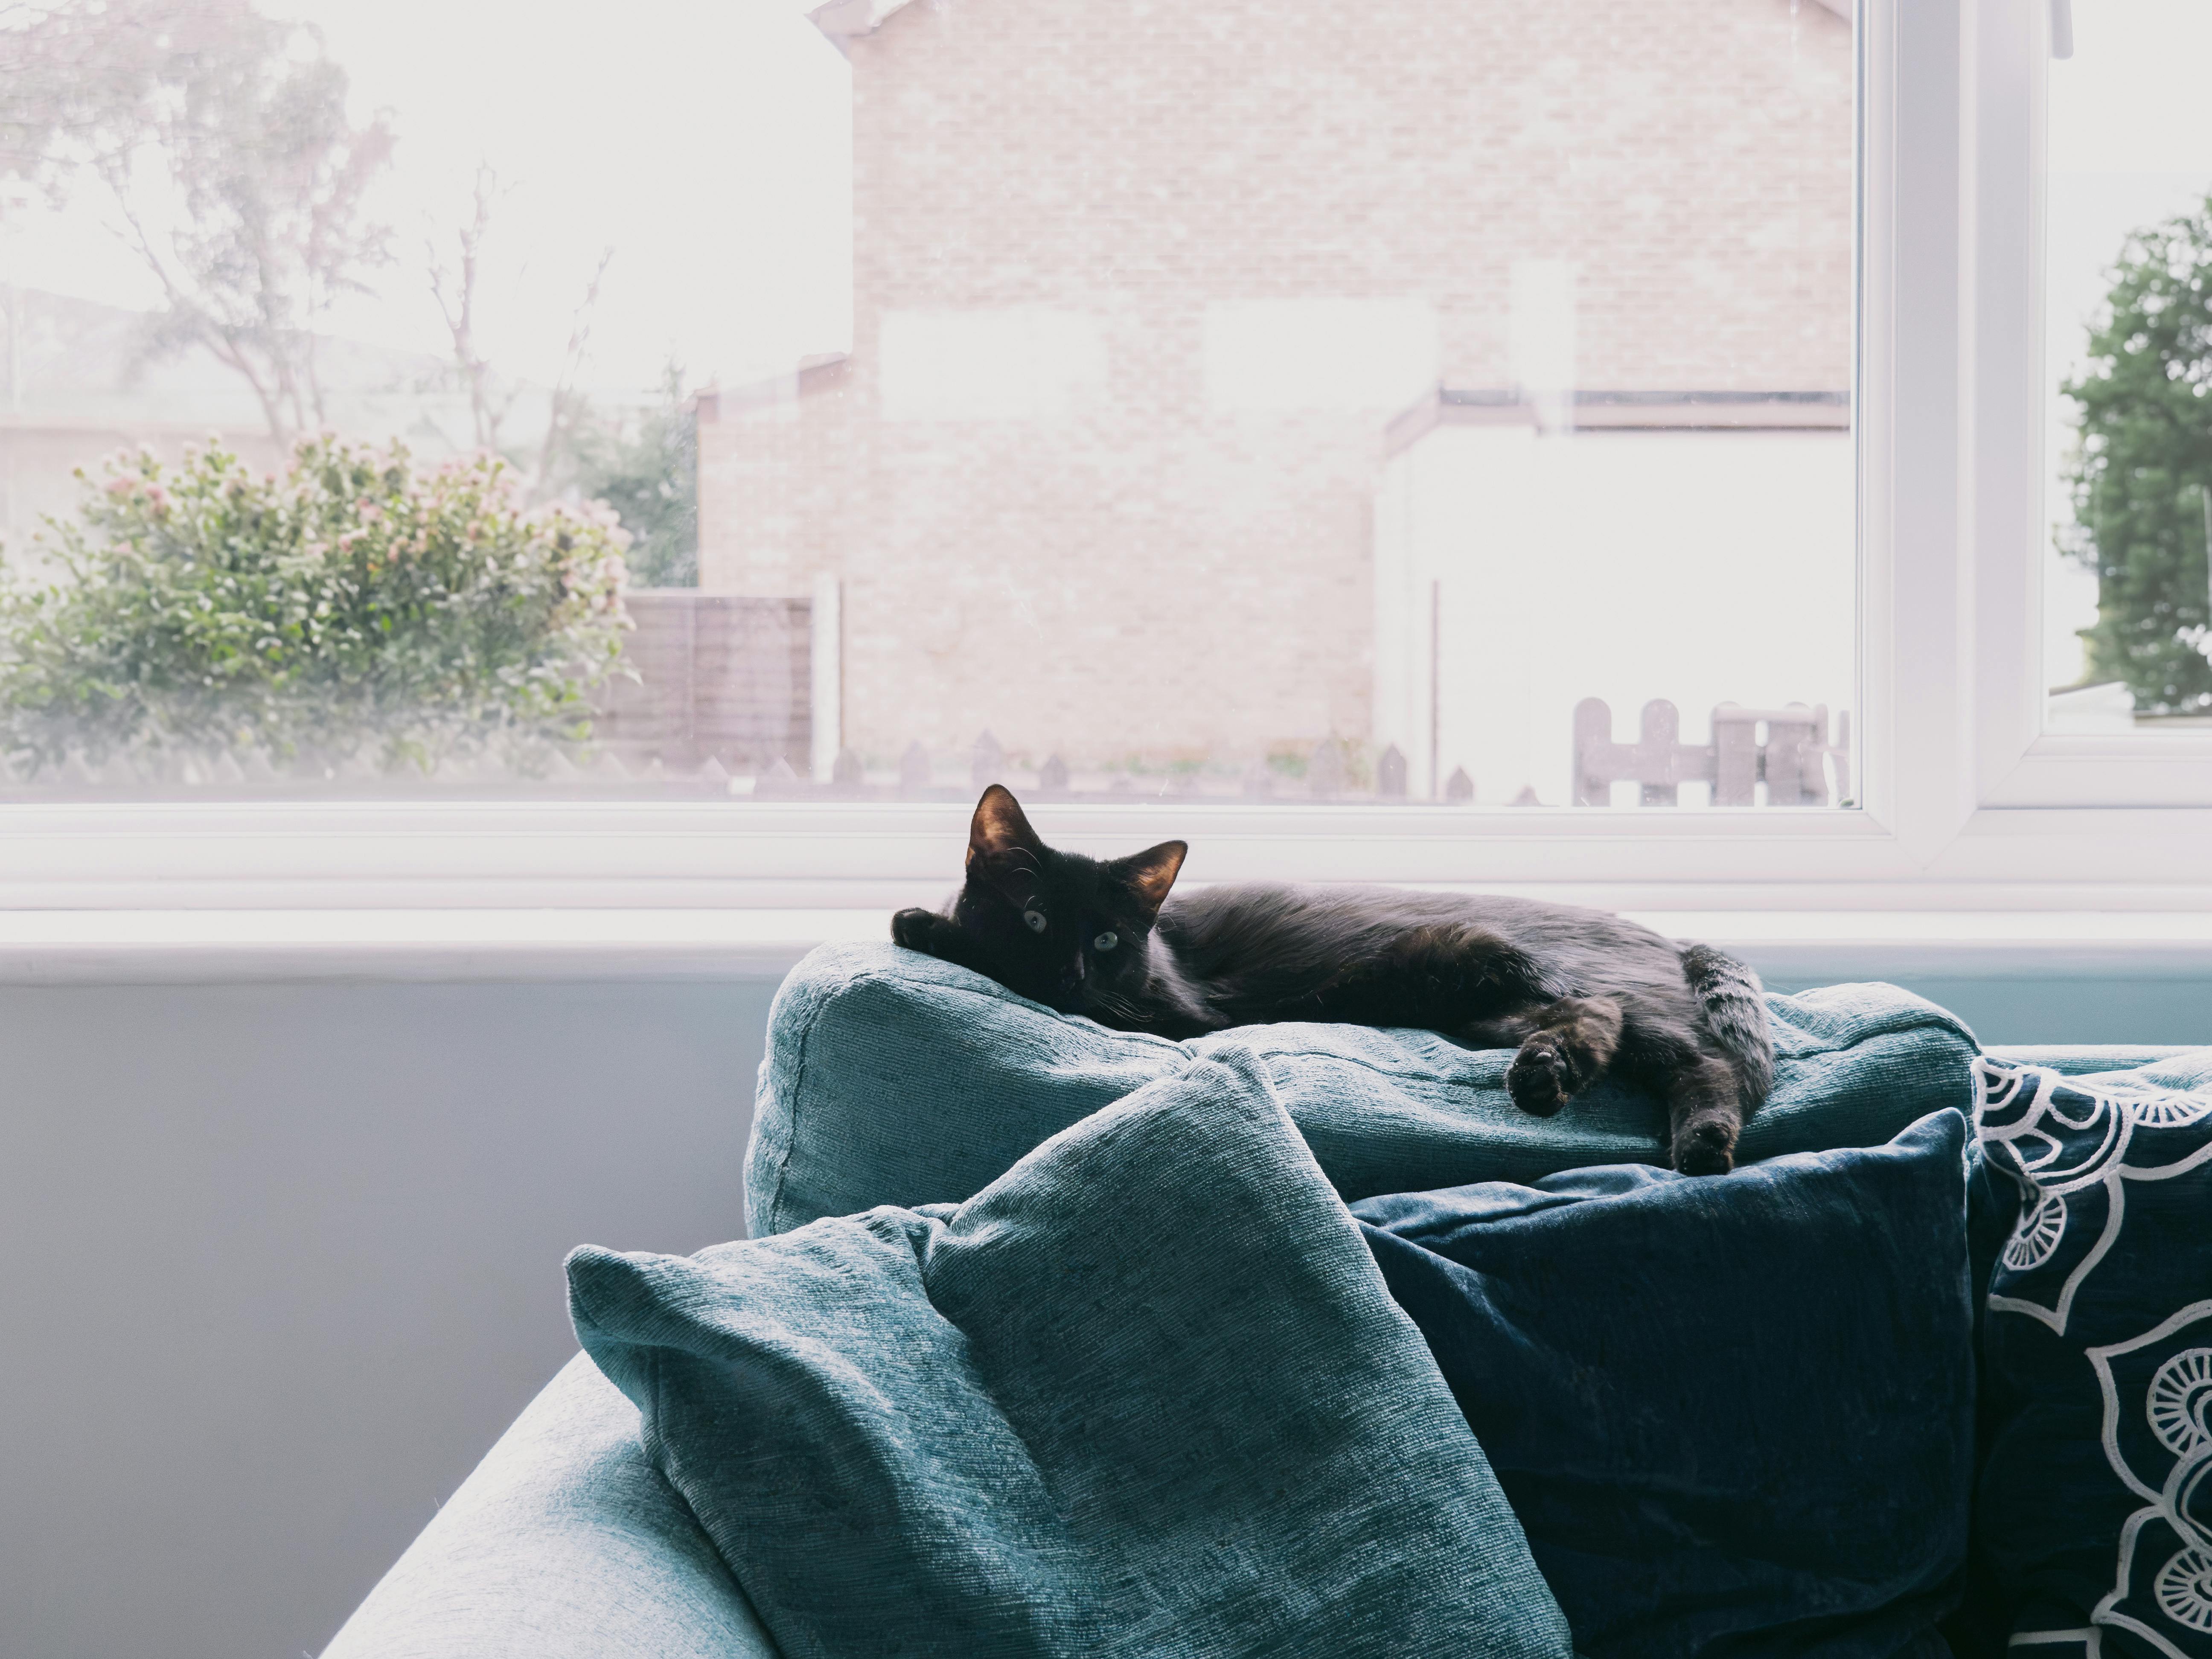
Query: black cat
1579	992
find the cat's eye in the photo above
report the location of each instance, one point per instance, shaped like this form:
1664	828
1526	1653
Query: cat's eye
1036	920
1107	941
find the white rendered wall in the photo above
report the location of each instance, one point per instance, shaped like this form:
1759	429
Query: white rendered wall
1701	567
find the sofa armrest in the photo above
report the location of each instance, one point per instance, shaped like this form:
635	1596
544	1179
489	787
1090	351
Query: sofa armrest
566	1543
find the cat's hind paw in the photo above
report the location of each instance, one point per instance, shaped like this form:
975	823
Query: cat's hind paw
1565	1055
1541	1078
1705	1147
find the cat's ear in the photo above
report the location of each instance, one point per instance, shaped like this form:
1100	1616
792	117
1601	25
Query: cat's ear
1152	873
999	828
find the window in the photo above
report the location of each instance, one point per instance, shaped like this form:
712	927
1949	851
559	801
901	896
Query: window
2071	158
2129	353
1304	492
1294	403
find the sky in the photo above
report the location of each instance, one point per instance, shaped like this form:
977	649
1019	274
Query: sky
708	145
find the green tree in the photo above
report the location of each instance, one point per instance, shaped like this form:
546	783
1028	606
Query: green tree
350	607
225	141
2141	478
76	75
272	178
646	467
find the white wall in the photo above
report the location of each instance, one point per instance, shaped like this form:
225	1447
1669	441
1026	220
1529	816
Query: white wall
1702	567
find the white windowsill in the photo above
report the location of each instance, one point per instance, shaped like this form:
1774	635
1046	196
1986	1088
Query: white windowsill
147	946
184	946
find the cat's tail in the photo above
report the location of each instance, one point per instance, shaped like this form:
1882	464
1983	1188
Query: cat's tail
1734	1005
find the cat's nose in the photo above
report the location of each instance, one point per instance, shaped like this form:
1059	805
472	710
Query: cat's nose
1074	974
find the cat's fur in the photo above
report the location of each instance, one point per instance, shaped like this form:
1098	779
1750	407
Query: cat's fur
1577	993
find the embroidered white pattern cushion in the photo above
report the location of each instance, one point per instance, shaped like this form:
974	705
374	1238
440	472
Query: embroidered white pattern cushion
2095	1512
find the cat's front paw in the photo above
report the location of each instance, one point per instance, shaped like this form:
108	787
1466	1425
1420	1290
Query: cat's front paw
1705	1147
1541	1077
915	928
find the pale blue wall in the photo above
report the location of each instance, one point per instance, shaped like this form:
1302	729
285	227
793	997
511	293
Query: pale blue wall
283	1261
2172	1008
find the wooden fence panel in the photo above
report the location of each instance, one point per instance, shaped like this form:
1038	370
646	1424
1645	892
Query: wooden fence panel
720	677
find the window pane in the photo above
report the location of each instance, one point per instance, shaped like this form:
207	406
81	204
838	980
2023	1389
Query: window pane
1271	403
2129	351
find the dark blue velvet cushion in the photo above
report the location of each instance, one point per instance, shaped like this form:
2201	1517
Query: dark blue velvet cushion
1734	1416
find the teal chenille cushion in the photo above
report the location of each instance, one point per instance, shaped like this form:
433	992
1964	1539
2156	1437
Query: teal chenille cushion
892	1078
1144	1395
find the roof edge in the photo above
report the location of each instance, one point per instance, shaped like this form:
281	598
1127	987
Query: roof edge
1622	411
841	19
819	372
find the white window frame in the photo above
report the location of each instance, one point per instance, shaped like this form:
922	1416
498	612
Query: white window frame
2007	54
1967	804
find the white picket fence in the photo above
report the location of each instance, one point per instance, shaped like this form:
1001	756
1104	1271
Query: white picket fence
1787	750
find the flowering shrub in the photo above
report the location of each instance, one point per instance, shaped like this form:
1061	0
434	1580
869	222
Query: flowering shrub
352	607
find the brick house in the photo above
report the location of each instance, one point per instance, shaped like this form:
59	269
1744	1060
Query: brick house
1139	289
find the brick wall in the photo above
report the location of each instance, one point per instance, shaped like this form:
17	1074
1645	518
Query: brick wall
1129	568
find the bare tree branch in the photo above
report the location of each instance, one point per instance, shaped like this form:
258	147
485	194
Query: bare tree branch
568	404
456	294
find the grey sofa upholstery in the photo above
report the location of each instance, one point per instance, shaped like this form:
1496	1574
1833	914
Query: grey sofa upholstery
566	1543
